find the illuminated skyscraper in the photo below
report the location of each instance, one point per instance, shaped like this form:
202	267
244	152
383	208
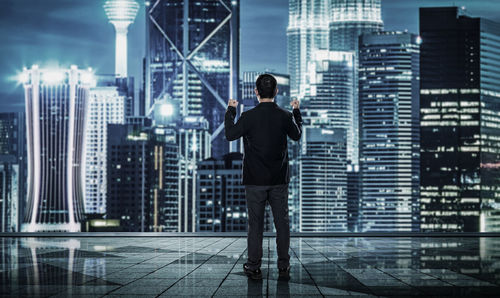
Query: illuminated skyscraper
121	13
330	92
192	56
323	185
13	169
142	177
55	119
351	18
389	129
106	106
307	31
460	122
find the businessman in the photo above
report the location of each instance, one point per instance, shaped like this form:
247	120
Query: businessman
265	169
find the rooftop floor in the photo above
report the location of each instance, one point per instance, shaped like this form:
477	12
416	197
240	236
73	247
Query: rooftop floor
212	266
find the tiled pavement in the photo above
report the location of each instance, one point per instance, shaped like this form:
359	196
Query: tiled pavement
212	266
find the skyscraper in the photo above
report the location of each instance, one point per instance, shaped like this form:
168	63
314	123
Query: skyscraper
121	13
142	178
351	18
13	168
308	30
330	92
460	123
55	118
389	129
194	144
106	106
192	57
348	20
323	186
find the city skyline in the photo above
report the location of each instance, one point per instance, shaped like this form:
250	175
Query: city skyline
367	93
83	25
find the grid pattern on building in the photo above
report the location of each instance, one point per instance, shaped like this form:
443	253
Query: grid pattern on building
323	180
389	106
106	106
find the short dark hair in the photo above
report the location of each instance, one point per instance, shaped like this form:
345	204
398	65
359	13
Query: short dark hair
266	86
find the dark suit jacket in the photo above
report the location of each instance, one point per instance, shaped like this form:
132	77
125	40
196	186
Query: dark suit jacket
264	130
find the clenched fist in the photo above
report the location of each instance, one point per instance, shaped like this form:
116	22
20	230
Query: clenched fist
295	104
232	103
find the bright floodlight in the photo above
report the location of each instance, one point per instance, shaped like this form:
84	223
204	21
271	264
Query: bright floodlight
166	110
121	13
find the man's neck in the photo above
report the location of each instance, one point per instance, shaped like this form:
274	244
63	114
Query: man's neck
266	100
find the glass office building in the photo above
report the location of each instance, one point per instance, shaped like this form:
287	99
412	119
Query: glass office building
351	18
192	59
307	31
460	122
323	180
389	145
13	169
142	180
55	118
107	105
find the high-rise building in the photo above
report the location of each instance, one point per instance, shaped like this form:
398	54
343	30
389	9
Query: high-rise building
192	57
308	30
323	185
121	13
142	178
460	122
55	117
348	20
194	144
106	106
13	170
389	129
351	18
330	93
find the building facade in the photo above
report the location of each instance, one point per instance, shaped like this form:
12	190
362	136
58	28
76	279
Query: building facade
192	57
307	31
55	119
13	170
389	131
142	178
323	183
460	122
106	106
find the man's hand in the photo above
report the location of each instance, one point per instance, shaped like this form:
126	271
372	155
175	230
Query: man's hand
295	104
232	103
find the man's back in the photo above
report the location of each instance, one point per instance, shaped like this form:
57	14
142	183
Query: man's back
264	130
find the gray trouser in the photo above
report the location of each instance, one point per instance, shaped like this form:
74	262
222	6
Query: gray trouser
256	197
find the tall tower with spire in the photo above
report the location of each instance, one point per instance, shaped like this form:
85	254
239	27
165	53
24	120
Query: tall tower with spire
121	13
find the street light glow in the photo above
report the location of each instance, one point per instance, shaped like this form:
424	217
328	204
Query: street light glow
166	110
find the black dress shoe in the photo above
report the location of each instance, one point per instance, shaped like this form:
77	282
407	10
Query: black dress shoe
284	273
253	274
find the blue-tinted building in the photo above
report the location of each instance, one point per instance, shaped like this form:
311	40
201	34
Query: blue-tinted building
13	169
389	129
192	59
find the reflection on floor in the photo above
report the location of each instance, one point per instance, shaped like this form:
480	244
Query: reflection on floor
212	266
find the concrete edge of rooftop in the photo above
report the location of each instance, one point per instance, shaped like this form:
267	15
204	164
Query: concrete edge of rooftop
244	234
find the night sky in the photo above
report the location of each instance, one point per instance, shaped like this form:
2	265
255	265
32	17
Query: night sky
65	32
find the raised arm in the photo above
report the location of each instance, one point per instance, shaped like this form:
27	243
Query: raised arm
233	130
294	127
